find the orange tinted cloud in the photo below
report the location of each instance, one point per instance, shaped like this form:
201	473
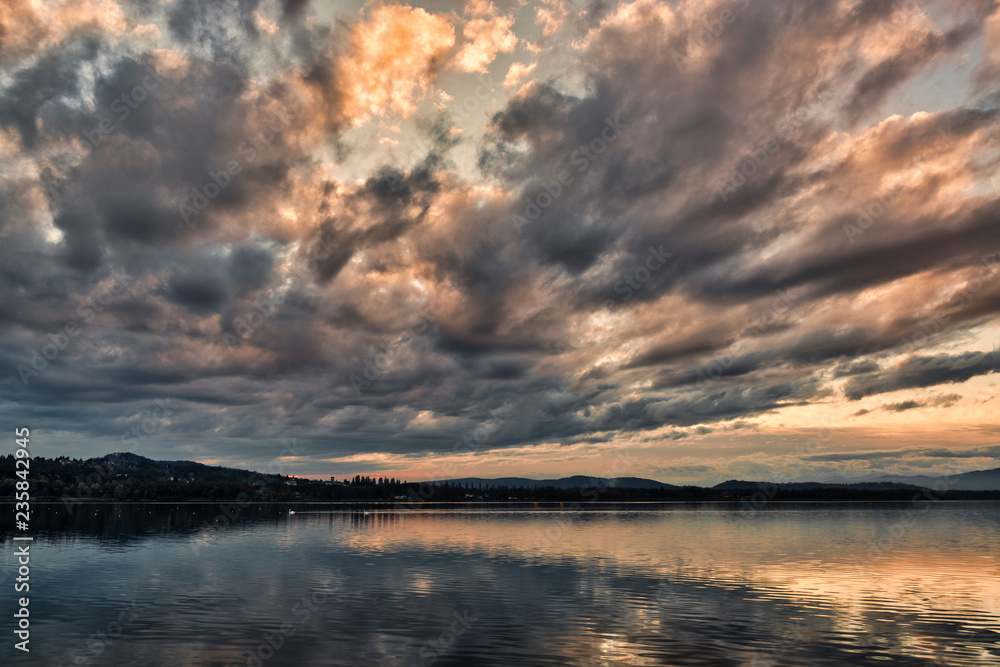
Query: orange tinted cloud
485	37
29	26
392	62
516	73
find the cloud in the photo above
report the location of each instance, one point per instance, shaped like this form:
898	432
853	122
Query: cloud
323	256
876	84
974	453
550	14
392	61
28	27
947	400
484	37
902	406
855	368
923	372
516	73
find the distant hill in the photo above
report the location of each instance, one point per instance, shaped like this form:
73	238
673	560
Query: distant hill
742	485
977	480
574	482
130	477
142	467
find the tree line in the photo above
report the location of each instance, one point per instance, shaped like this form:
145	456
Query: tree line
128	477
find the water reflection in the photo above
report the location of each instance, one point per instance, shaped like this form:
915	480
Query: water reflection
670	584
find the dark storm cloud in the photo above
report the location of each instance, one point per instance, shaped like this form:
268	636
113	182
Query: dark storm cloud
201	290
855	368
706	406
813	348
127	186
838	272
225	27
923	372
250	267
37	89
293	10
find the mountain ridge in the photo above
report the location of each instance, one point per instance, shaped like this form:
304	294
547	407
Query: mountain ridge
974	480
572	482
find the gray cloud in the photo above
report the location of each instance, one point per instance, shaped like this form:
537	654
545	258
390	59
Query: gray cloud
923	372
255	313
978	452
902	406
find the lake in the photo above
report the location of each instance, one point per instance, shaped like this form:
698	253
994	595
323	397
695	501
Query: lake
512	584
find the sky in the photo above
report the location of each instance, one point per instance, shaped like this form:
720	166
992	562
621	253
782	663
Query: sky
690	241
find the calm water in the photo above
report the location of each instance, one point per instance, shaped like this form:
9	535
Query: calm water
667	584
